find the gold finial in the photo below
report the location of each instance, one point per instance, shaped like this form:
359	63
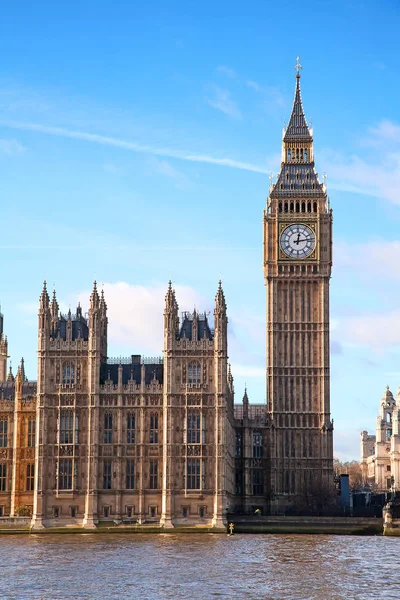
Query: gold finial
298	66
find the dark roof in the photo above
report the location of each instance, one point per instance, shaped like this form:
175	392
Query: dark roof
297	129
80	327
201	322
7	388
132	370
299	179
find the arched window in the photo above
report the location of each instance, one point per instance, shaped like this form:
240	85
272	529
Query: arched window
280	206
68	373
291	207
289	154
303	207
309	207
154	428
297	206
286	207
108	428
3	432
130	429
305	155
194	372
315	207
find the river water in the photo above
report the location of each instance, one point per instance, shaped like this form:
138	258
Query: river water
198	566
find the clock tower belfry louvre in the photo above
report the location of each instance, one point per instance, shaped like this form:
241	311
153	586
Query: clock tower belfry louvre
297	269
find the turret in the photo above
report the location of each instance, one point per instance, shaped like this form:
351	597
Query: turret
44	314
3	351
220	319
54	310
171	318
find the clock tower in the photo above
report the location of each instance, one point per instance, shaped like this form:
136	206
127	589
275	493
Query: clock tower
297	269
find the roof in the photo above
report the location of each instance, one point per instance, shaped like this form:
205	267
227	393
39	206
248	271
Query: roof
153	368
80	327
297	128
201	325
7	389
298	179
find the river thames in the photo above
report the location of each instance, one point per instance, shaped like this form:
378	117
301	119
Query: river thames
108	567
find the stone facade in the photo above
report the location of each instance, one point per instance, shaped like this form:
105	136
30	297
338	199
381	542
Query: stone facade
160	440
380	453
297	270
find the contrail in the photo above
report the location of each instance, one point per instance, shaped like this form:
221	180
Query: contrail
133	146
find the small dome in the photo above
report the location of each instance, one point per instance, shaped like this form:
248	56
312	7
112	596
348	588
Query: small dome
387	398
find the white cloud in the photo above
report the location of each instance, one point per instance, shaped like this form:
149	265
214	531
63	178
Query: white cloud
11	147
222	101
377	173
163	167
227	71
135	147
135	314
253	85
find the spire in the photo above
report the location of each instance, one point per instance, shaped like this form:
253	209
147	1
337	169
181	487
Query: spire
21	370
44	299
103	305
170	299
54	308
297	130
10	376
94	297
220	304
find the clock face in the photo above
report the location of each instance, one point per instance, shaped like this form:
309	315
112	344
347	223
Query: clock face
297	240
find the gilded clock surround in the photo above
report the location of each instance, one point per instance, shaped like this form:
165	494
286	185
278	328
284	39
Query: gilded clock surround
313	256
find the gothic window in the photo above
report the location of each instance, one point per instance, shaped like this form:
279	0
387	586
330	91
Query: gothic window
108	428
193	428
66	427
68	373
194	373
153	482
65	474
301	154
31	432
309	207
154	429
30	477
193	473
291	207
3	477
130	429
286	207
297	207
388	434
297	154
388	418
289	154
315	207
257	445
303	207
238	482
3	432
305	155
258	483
107	465
280	206
238	451
130	475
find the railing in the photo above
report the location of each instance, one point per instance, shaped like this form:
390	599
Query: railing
135	359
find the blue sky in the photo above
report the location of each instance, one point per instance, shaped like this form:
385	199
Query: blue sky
135	147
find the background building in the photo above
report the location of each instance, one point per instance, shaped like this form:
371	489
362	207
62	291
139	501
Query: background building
380	453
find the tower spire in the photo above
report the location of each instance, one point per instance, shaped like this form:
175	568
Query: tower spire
297	130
